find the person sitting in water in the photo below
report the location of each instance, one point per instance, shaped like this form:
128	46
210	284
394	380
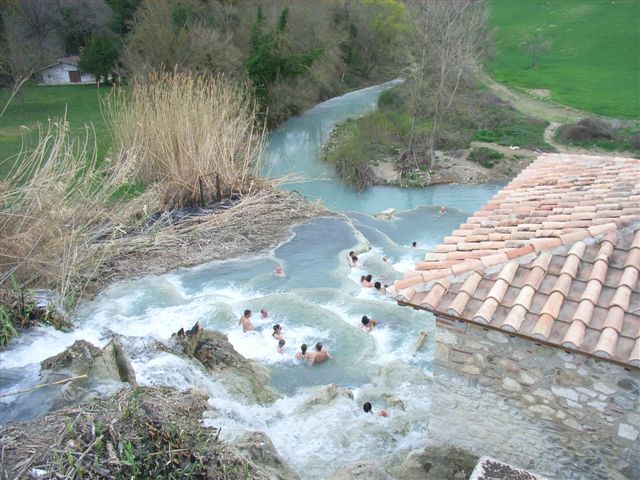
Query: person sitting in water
366	283
280	347
414	244
379	287
264	313
245	321
279	271
302	354
353	259
368	324
320	355
368	409
443	210
277	332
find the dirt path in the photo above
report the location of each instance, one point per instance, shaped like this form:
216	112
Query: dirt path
542	108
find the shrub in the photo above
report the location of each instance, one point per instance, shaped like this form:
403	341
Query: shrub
180	130
56	215
486	157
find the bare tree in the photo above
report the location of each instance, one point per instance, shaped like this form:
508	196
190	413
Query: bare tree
448	41
28	41
535	44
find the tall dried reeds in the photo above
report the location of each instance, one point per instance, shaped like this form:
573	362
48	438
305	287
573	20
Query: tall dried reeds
182	130
54	204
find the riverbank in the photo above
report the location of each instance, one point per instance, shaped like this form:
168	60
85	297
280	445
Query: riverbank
252	224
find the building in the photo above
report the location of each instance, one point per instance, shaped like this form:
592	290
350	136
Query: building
65	72
537	307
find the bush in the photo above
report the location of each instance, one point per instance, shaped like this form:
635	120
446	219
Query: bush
180	130
486	157
56	214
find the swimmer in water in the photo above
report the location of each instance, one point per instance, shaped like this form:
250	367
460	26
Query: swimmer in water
302	354
264	313
368	324
443	210
414	244
366	283
368	409
320	355
277	332
245	321
280	347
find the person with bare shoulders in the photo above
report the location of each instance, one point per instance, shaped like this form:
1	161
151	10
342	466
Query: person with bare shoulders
277	332
245	321
280	347
264	313
353	259
443	210
279	272
368	409
368	324
320	355
379	287
366	283
302	354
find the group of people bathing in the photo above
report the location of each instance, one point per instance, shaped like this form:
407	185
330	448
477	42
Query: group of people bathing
319	355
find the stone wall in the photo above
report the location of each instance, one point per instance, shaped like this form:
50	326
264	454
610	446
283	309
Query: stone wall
555	413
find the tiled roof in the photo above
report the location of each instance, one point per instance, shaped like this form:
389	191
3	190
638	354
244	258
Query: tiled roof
555	256
71	60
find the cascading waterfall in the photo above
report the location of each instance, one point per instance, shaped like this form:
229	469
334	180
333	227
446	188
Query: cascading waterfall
316	427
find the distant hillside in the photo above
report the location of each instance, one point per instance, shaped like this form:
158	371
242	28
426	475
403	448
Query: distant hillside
594	60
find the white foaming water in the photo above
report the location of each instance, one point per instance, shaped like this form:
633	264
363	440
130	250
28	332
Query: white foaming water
314	426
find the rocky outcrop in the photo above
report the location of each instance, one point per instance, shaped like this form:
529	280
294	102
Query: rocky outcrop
240	377
105	370
435	463
258	449
361	471
164	426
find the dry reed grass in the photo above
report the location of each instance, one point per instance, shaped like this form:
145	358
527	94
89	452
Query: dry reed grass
54	204
179	130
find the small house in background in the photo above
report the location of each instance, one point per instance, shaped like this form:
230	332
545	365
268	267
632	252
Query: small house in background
64	72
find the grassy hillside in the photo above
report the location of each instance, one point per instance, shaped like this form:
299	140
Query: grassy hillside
594	60
82	103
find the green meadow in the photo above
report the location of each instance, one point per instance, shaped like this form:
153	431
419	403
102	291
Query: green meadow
21	123
594	60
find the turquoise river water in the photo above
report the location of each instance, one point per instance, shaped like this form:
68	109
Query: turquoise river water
319	299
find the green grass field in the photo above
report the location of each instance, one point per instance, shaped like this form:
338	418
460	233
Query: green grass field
594	60
82	104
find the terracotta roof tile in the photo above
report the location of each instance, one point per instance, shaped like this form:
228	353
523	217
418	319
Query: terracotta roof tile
575	334
486	311
621	298
457	306
543	327
514	319
584	312
629	278
614	319
634	357
433	298
561	244
607	343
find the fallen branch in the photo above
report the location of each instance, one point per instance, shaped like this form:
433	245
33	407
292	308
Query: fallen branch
43	385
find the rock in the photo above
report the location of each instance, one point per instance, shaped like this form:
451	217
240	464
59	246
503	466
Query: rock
511	385
570	422
361	471
602	388
566	393
387	214
542	410
258	449
526	379
627	431
238	375
436	463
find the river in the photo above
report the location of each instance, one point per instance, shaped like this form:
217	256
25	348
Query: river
318	300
